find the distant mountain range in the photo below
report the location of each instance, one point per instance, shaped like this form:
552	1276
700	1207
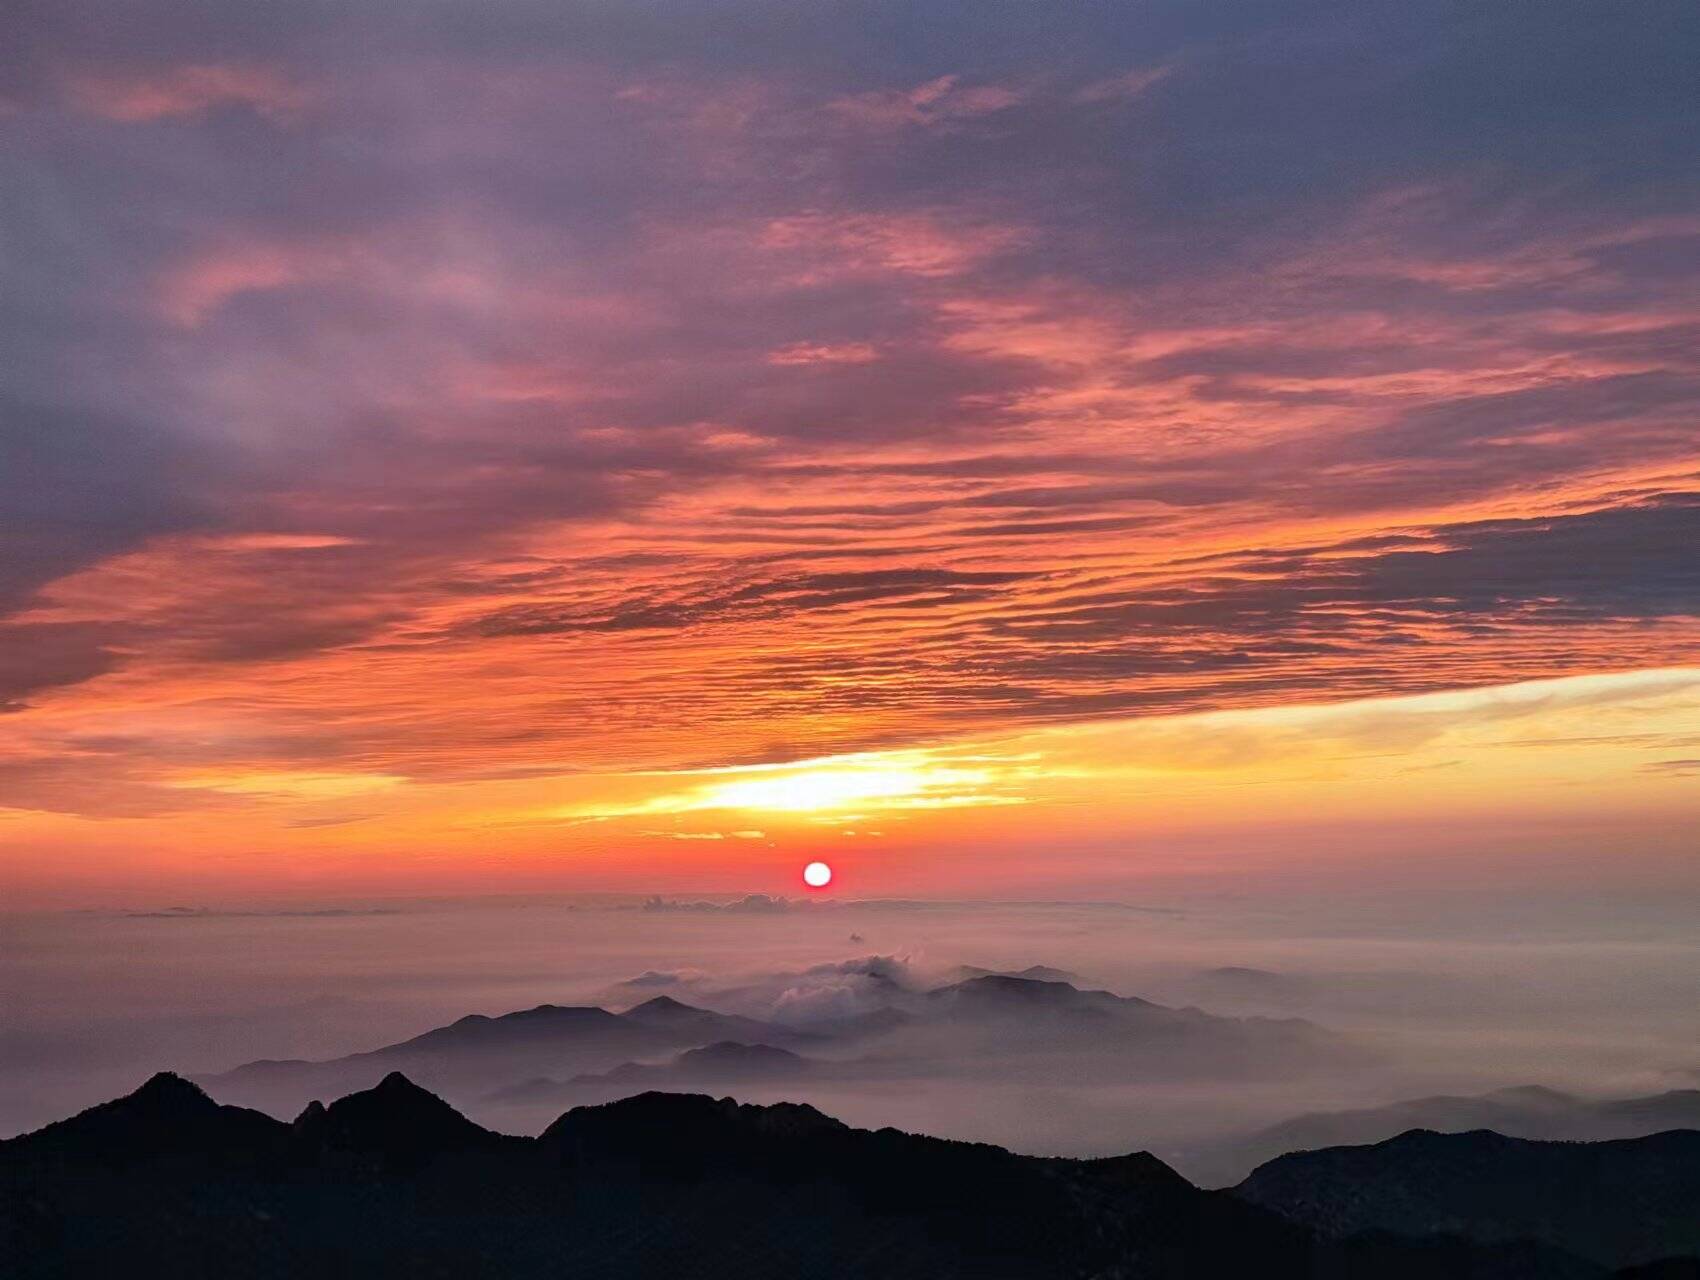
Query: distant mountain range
464	1057
1024	1011
1033	972
1529	1111
985	1023
393	1182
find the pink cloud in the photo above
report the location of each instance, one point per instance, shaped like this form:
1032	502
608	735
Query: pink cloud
919	244
823	353
191	291
189	91
935	102
1129	84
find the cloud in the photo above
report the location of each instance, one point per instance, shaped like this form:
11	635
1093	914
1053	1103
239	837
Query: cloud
803	353
1679	768
798	593
209	913
750	904
663	978
40	656
130	97
1125	87
939	102
644	390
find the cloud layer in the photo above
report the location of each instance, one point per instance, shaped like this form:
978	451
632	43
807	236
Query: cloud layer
538	388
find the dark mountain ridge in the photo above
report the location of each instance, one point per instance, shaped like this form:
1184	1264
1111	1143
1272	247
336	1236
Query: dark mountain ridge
392	1181
1617	1203
1525	1111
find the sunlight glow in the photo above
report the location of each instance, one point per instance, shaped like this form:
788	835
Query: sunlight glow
841	787
816	789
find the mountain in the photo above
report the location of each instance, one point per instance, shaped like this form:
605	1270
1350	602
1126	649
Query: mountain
1033	972
167	1117
724	1061
392	1182
1617	1203
1527	1111
462	1058
1021	1026
395	1124
704	1026
1113	1037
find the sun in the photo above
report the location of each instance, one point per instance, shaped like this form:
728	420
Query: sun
817	875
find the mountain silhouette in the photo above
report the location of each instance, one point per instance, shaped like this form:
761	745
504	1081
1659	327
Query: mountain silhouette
517	1058
1527	1111
392	1182
1618	1203
395	1123
706	1026
1033	972
467	1055
167	1117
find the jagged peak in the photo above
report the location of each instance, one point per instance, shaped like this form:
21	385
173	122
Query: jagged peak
664	1004
166	1114
168	1086
394	1097
395	1120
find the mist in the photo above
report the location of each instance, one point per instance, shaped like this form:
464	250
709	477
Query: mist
1353	1004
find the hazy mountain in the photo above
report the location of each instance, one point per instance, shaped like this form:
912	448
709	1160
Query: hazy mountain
992	1024
1529	1111
463	1058
1618	1203
995	1023
676	1018
724	1063
1033	972
393	1182
1113	1037
1242	984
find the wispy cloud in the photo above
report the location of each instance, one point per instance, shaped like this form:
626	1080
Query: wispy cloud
596	395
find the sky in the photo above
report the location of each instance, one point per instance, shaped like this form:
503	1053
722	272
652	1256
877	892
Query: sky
1003	449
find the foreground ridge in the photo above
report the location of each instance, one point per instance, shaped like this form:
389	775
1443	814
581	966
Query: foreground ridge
393	1181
